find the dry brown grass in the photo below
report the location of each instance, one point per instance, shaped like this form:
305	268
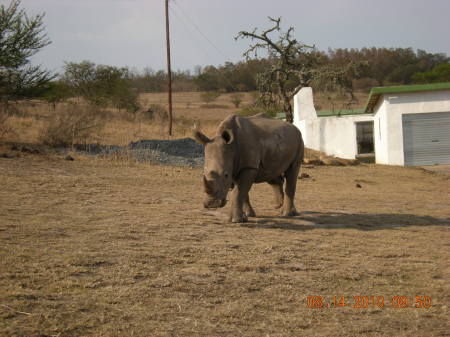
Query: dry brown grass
104	248
330	101
121	128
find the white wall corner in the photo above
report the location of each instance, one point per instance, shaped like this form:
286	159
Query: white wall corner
304	105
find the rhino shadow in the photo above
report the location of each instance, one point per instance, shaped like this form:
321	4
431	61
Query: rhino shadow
367	222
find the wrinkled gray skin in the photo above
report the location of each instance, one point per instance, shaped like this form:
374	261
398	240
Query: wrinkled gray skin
247	150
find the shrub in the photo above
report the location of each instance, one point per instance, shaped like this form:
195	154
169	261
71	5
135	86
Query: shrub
236	99
56	92
102	85
73	125
5	128
156	112
365	83
215	106
209	96
440	73
253	110
6	111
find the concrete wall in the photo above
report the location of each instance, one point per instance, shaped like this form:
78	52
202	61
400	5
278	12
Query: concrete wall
388	120
380	134
333	135
337	135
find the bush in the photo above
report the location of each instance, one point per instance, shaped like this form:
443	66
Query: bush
440	73
5	128
57	92
253	110
7	110
156	112
209	96
215	106
102	85
75	124
364	84
236	99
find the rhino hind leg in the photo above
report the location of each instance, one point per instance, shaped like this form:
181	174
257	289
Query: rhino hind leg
277	186
291	184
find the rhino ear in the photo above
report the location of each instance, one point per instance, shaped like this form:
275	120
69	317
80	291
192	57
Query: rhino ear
200	137
228	136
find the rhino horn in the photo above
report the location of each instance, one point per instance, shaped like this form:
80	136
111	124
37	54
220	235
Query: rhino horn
207	185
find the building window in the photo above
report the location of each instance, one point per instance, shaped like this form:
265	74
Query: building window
364	137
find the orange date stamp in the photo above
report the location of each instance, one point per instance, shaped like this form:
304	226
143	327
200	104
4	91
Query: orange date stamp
319	302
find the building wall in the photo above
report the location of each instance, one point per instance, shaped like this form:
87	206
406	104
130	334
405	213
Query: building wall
380	134
337	135
389	149
332	135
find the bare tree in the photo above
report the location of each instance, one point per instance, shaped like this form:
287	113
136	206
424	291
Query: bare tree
289	70
293	65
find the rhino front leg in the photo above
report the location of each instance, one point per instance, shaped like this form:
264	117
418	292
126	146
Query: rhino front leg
291	184
247	207
277	186
239	195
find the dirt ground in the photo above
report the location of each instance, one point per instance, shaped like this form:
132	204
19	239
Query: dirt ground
95	247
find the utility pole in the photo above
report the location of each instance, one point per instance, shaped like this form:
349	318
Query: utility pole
169	72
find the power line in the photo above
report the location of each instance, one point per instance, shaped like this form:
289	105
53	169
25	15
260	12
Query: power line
188	31
199	30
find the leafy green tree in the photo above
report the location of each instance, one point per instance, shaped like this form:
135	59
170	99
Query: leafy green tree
21	37
56	92
102	85
209	96
208	79
440	73
149	80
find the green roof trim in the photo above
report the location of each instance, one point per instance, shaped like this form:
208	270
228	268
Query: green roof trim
341	112
376	93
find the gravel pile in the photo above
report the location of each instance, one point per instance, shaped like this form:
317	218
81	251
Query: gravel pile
178	152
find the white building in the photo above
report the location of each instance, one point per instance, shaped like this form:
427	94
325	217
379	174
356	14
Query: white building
401	125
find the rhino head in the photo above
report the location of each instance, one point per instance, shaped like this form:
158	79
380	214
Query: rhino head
218	169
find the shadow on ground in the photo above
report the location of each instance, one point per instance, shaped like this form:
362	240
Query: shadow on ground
368	222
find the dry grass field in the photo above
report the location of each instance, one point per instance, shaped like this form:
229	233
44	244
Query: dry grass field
107	247
121	128
95	247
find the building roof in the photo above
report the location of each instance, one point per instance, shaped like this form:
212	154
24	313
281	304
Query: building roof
376	93
339	112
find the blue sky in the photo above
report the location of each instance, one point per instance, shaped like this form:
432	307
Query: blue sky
132	32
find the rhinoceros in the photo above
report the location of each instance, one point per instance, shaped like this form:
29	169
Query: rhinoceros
247	150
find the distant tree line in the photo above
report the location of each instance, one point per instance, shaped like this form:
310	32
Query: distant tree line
383	66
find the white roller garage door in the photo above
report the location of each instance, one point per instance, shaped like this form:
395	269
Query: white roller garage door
426	138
